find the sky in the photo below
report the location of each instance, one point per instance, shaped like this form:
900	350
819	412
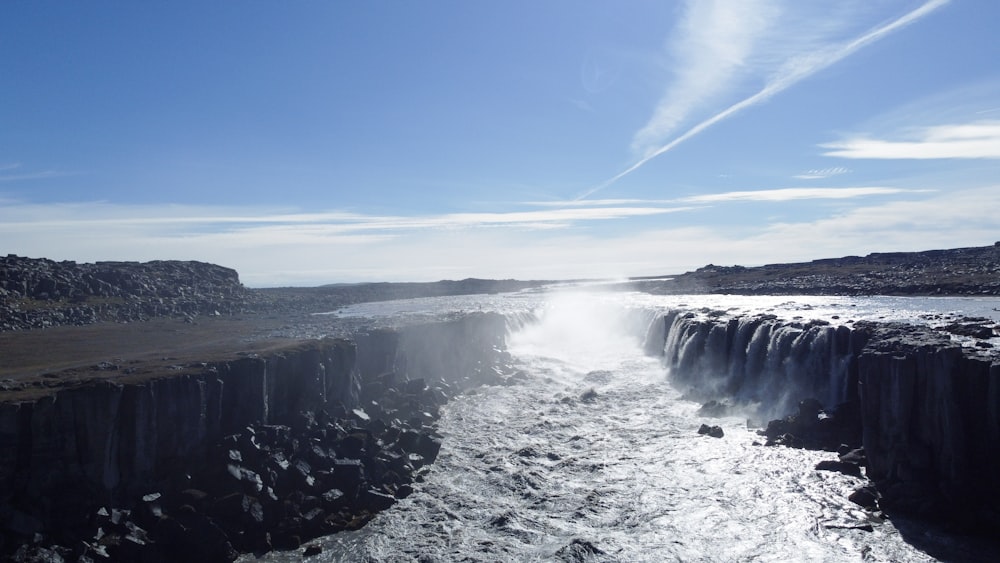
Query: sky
305	143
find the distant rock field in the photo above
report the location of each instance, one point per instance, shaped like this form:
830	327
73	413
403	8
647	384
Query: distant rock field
960	271
40	293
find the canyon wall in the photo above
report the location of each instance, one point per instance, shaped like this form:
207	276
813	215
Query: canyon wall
108	443
929	407
932	423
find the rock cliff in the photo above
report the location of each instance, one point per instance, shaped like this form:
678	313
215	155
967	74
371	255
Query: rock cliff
38	293
931	412
109	441
315	437
925	408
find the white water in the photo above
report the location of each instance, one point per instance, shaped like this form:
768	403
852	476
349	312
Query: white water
545	470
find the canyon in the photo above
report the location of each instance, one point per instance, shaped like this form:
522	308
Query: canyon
124	455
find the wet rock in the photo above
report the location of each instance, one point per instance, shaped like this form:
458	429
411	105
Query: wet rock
855	456
838	466
713	431
376	501
813	427
865	497
578	550
715	409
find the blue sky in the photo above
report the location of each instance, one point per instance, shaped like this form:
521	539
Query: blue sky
315	142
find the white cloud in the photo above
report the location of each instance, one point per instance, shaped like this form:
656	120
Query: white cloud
30	217
773	195
822	173
30	175
599	202
790	194
276	247
713	42
794	55
980	139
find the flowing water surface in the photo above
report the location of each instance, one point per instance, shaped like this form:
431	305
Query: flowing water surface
593	456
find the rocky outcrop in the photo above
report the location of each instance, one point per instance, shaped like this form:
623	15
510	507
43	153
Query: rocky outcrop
41	293
925	408
959	271
38	293
931	412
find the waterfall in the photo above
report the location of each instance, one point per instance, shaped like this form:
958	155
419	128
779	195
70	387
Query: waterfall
758	362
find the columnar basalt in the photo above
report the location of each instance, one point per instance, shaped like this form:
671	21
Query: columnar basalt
314	437
925	408
931	414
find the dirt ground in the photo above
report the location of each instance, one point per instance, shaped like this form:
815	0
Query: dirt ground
34	362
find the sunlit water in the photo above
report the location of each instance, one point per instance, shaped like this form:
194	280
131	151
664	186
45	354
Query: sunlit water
593	456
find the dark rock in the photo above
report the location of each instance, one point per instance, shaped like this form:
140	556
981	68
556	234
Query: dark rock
578	551
846	468
865	497
715	409
713	431
376	501
855	456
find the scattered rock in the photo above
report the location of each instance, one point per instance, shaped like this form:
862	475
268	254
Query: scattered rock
852	469
713	431
866	497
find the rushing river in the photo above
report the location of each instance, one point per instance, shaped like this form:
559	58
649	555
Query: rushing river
593	456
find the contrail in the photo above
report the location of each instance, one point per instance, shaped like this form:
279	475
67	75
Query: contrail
796	70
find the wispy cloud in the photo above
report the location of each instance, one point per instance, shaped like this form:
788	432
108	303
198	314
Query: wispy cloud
790	194
712	45
31	175
273	246
794	66
980	139
599	202
772	195
821	173
101	215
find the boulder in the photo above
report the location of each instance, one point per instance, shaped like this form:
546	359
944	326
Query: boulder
713	431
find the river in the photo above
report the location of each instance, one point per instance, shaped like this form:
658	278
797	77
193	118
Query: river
594	456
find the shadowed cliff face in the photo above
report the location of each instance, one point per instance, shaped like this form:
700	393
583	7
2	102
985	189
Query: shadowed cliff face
114	440
109	443
932	424
929	408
